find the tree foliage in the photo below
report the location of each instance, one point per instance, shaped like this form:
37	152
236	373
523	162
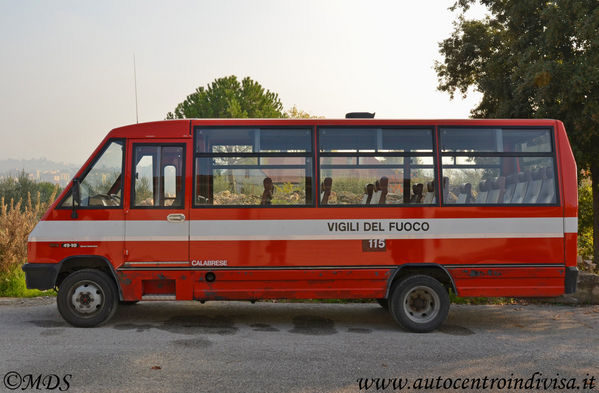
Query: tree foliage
18	216
22	188
532	59
585	218
228	98
295	113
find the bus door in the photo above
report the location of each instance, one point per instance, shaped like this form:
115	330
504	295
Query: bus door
157	221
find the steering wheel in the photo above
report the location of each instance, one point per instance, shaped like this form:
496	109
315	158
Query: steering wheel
109	199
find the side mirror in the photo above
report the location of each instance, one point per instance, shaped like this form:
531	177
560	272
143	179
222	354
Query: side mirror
76	196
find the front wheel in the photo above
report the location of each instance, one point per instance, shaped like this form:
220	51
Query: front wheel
87	298
419	303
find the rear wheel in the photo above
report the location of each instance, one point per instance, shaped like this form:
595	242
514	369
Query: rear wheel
87	298
419	303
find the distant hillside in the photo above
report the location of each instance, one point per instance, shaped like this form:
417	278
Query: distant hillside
39	170
35	164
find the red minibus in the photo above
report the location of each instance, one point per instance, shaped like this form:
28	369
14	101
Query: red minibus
402	211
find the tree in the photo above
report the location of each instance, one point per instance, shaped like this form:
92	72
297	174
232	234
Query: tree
532	59
228	98
295	113
22	188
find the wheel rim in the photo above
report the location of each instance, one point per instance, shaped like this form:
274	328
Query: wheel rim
87	298
421	304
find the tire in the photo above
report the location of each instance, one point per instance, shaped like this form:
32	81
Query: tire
87	298
128	302
419	303
383	303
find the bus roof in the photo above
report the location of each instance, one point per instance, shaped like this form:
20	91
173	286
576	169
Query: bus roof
182	128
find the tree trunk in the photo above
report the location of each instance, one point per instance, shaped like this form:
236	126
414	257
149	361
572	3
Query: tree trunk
595	188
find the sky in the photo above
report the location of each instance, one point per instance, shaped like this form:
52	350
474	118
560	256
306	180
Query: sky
67	66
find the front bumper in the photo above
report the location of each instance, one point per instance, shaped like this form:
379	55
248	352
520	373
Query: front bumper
571	279
41	276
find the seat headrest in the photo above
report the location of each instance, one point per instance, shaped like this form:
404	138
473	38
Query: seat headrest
383	183
538	174
499	183
524	176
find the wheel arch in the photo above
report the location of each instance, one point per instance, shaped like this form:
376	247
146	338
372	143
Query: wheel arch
433	270
78	262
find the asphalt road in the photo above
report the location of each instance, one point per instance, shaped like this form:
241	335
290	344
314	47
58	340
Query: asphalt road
292	347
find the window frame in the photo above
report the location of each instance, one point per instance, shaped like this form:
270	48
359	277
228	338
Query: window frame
552	154
89	168
433	154
307	154
132	185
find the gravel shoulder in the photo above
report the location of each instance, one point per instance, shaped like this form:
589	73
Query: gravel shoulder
291	347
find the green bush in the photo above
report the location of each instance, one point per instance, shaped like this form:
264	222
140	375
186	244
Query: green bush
585	218
17	219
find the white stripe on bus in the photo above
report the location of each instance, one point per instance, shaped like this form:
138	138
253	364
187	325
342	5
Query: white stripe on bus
570	224
230	230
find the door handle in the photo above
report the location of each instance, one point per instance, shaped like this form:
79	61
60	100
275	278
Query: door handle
176	217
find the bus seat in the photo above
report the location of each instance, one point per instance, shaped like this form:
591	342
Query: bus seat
376	195
417	193
368	193
268	191
483	191
384	188
448	196
146	202
429	197
547	193
497	190
465	195
521	186
510	186
326	187
534	187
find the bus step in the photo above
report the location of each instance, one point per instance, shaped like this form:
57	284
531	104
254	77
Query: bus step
159	297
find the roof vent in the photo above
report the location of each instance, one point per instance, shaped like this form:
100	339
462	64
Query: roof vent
359	115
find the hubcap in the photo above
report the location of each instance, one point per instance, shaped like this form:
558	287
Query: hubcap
87	297
421	304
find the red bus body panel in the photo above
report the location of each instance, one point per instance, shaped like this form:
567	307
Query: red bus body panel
313	267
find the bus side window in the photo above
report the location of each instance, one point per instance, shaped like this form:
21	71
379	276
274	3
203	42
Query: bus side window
505	165
245	166
375	166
